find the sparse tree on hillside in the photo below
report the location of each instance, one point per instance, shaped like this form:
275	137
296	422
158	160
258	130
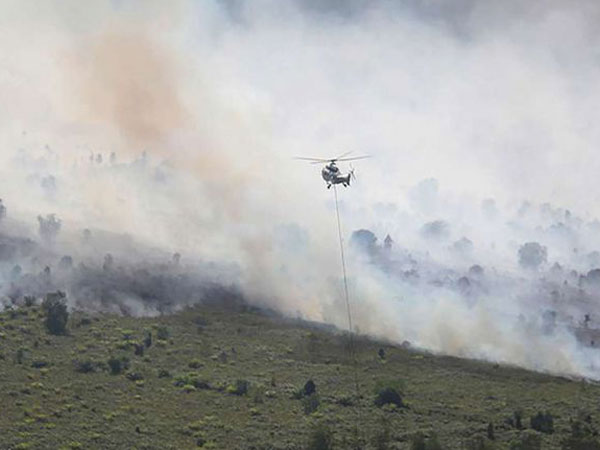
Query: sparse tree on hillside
437	230
364	240
49	227
55	306
532	255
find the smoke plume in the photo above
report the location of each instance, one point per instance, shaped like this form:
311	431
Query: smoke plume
161	137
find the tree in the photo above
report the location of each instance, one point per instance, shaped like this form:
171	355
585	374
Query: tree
49	227
364	240
532	255
437	230
55	306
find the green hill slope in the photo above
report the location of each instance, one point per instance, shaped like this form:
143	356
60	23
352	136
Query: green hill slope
234	378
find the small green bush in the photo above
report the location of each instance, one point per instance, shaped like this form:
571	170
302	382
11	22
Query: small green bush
258	393
320	438
389	392
239	388
192	379
527	440
490	431
148	338
162	333
118	365
85	366
388	396
135	376
20	355
420	442
195	364
164	373
542	422
311	403
138	349
309	388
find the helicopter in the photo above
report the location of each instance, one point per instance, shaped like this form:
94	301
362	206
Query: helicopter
331	172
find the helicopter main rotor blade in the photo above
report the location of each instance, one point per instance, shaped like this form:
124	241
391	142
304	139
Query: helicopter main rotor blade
312	159
354	158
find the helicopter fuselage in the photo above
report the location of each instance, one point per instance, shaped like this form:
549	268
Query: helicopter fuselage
332	175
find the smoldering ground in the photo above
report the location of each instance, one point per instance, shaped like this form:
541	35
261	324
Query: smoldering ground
203	106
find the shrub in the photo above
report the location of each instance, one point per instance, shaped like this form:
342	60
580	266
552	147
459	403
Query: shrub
20	355
320	438
490	431
118	365
29	300
311	403
127	334
55	306
148	338
309	388
516	420
135	376
389	392
191	379
162	333
478	443
543	423
527	440
195	364
518	415
138	349
240	387
420	442
388	396
39	363
346	400
258	394
84	321
85	366
164	373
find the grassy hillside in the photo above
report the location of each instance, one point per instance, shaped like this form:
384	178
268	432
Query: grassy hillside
233	378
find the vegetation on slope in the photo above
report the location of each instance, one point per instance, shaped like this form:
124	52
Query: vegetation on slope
236	378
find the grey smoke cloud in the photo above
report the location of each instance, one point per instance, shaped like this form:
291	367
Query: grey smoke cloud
205	103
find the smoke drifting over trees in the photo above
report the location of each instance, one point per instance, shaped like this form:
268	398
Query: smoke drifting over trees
149	130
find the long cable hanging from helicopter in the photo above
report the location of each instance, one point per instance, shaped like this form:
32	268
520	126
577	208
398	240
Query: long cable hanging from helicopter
332	176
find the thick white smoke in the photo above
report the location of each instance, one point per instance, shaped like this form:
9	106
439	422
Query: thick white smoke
204	104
